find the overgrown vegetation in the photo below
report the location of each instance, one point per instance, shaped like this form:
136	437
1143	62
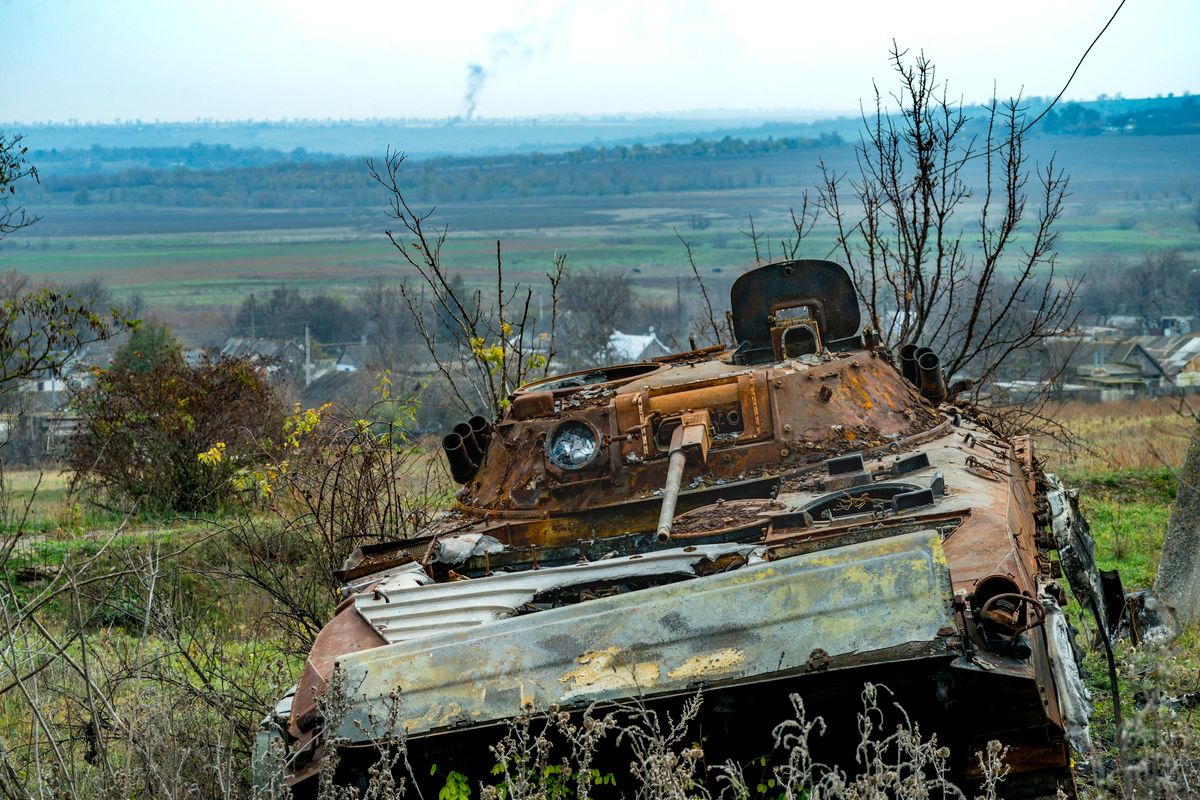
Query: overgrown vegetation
162	435
342	479
138	661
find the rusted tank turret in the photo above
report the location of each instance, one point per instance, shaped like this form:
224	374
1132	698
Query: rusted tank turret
801	513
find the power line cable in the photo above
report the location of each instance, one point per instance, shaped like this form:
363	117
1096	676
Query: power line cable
1075	71
1036	119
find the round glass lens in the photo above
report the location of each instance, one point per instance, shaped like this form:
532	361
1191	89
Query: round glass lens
574	446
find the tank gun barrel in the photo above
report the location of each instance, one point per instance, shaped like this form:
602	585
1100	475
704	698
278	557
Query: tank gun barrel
666	517
691	433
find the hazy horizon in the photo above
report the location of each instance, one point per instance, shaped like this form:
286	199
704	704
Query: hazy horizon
797	115
703	114
177	61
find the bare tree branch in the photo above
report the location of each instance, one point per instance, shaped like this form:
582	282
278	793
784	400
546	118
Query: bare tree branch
984	300
482	350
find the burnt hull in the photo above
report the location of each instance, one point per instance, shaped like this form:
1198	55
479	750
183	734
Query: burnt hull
819	625
791	516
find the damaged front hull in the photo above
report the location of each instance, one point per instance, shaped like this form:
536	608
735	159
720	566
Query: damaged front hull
769	617
818	624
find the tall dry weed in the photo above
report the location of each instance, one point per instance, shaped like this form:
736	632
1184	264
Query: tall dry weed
1156	753
553	756
1149	433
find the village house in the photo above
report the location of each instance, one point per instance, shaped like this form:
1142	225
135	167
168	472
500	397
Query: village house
1104	368
627	348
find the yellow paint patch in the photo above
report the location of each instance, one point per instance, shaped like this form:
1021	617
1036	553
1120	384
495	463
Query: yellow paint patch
437	716
601	670
715	663
939	553
426	720
864	399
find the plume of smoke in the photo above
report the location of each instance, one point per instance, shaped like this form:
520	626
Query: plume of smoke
519	45
476	76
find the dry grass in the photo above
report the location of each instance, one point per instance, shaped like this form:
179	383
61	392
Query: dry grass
555	756
1132	434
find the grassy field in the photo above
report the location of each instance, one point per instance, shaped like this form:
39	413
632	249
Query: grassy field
1122	460
185	278
1128	195
1142	434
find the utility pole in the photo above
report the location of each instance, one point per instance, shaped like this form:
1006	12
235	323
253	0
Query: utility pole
307	357
678	305
1177	582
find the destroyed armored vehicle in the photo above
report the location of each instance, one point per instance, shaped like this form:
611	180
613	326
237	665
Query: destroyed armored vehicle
800	513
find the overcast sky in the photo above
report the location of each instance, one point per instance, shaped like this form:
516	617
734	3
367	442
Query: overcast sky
98	60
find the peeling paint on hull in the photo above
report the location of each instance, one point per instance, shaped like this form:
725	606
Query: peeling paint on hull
722	629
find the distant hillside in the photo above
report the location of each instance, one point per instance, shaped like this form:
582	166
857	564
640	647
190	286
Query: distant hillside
278	180
1163	116
194	156
419	138
219	145
225	176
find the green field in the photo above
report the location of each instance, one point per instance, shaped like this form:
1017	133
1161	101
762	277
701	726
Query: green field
1128	195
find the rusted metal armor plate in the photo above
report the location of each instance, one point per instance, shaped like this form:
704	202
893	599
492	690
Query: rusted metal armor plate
717	630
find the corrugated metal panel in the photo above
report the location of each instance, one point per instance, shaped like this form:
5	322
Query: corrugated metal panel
761	619
406	605
1185	353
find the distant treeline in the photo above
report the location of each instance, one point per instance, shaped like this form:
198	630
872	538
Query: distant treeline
195	156
1170	117
285	182
224	176
421	138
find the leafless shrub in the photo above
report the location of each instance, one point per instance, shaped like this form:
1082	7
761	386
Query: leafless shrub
484	350
980	299
708	330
